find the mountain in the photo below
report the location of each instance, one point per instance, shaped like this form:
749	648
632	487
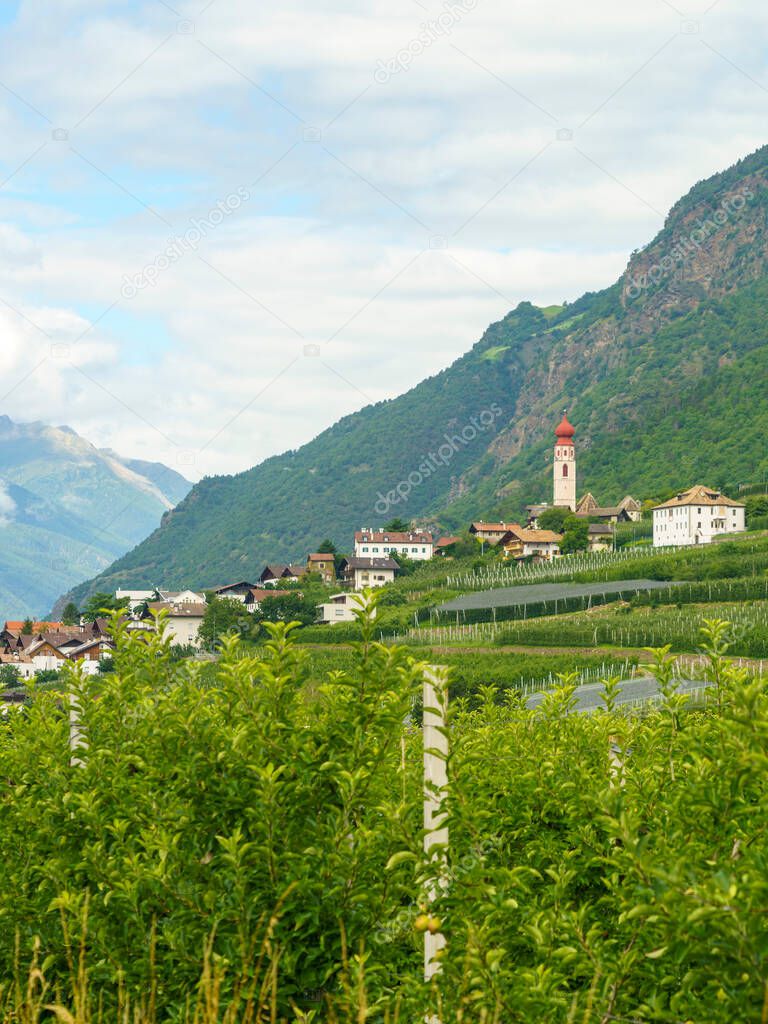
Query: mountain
663	374
68	509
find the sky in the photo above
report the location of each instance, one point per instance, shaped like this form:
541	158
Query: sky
225	225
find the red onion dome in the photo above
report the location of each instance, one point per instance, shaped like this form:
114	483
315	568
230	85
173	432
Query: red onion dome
565	431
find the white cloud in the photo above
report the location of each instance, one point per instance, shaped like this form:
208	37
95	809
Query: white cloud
333	247
7	505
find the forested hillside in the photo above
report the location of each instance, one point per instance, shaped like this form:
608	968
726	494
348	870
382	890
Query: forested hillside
662	374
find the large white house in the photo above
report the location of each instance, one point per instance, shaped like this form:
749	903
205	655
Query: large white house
696	516
377	543
361	573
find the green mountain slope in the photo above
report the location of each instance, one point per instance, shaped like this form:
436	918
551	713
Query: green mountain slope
67	510
662	374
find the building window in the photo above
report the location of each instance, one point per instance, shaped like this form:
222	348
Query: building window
565	469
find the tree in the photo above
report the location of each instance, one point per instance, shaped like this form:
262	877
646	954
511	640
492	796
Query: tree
287	606
100	604
465	546
757	506
554	518
27	627
575	535
71	614
407	566
10	677
327	547
397	525
224	616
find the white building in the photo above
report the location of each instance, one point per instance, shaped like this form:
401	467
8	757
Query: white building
600	537
565	466
340	608
696	516
377	543
368	572
183	620
138	598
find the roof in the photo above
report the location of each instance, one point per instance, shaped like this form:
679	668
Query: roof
370	563
535	536
445	542
588	501
37	627
605	512
482	527
280	571
259	593
178	611
588	506
276	569
700	495
95	642
321	556
392	537
600	528
231	586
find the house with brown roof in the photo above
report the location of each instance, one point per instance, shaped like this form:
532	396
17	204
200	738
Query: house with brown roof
182	620
490	533
696	516
360	573
520	542
323	563
628	510
272	574
241	591
34	652
600	537
415	544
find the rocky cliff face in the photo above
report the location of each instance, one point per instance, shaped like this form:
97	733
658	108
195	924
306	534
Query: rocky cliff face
714	243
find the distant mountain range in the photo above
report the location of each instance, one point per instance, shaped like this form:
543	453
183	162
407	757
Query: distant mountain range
663	374
67	510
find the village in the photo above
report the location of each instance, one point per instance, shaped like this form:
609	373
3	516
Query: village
692	517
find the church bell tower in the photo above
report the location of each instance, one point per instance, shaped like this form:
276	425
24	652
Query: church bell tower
565	466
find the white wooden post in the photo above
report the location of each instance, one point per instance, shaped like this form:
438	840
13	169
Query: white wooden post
77	740
435	787
616	761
